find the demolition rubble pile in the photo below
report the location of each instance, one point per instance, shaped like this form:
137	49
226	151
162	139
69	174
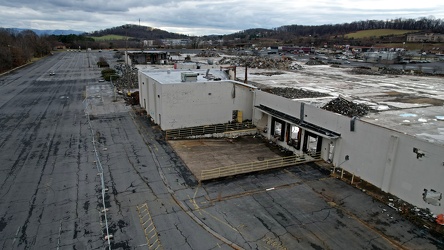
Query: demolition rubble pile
364	71
345	107
378	71
259	62
269	73
128	78
315	62
207	53
292	93
391	71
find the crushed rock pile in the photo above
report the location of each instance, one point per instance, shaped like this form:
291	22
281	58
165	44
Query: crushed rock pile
364	71
259	62
270	73
346	107
392	71
380	71
207	53
315	62
293	93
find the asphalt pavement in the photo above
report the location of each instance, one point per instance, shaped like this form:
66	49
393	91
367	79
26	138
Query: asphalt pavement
61	134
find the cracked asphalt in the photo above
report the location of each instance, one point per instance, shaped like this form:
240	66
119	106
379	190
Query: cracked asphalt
50	193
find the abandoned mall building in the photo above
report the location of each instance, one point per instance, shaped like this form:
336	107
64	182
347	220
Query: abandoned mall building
394	158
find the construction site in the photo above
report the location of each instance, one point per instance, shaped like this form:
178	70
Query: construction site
310	112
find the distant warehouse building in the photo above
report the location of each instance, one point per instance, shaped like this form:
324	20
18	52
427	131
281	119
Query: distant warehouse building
427	37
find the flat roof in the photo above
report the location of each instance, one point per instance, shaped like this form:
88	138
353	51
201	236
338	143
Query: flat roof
146	52
409	104
173	76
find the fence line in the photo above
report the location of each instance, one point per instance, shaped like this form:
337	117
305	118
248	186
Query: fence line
255	166
208	129
100	173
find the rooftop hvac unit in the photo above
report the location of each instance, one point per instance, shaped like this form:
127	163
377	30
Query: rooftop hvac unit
189	76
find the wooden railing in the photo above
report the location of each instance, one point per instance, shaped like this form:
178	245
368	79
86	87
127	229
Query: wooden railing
203	130
257	166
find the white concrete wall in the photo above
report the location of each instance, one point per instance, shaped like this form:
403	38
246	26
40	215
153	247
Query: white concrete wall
410	176
277	102
147	94
189	104
143	91
378	155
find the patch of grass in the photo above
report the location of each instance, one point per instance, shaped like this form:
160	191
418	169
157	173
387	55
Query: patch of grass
108	38
377	33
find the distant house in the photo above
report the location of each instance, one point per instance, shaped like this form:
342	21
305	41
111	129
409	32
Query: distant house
148	43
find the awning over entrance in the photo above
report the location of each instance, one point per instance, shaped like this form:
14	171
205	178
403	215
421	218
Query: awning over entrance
298	122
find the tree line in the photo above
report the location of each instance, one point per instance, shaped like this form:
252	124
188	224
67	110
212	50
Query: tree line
319	34
425	24
18	48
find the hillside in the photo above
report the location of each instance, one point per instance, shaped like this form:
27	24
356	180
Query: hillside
137	32
108	38
317	35
378	33
50	32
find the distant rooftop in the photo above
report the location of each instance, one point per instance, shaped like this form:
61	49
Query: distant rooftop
174	76
146	52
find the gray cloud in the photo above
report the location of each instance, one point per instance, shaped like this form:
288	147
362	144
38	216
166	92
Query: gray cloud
203	17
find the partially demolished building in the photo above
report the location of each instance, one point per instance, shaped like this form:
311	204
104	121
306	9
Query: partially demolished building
396	161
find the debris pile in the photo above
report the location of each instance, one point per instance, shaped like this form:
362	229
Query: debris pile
295	66
292	93
270	73
315	62
258	62
391	71
207	53
364	71
132	99
347	108
128	77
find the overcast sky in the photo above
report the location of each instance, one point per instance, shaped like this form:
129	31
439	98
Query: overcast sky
204	17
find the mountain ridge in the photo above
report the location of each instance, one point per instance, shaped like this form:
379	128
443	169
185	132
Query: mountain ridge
49	32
